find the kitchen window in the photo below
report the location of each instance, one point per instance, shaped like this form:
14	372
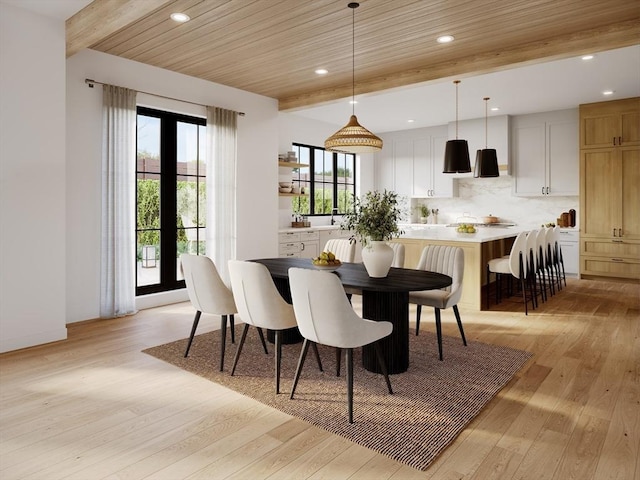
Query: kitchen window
330	181
170	196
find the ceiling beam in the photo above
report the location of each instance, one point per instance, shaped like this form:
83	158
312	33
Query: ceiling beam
101	18
608	37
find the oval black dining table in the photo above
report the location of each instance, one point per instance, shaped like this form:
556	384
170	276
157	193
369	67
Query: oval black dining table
382	299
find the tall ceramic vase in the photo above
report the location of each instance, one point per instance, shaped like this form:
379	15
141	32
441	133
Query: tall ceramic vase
377	258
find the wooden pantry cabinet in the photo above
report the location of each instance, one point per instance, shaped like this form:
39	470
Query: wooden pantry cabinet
609	193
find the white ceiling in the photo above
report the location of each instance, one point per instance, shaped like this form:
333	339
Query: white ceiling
60	9
537	88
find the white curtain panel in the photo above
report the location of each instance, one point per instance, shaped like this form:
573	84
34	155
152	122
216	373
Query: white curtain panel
117	286
221	187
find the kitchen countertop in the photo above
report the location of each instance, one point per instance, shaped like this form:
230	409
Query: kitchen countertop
444	233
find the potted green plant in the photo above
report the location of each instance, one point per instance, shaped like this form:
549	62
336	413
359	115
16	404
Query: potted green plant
423	212
374	220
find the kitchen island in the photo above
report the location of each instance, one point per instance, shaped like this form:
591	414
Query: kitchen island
479	248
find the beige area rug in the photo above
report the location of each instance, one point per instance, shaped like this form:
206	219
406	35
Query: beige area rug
432	402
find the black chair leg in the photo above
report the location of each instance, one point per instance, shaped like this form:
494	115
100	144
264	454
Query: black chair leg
303	355
456	312
383	365
349	360
223	339
338	359
418	312
278	359
439	332
196	320
264	344
239	349
232	324
315	350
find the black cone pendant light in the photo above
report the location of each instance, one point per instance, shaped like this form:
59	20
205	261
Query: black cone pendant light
456	153
353	137
486	159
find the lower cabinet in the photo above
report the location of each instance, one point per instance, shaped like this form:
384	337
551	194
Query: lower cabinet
569	242
299	244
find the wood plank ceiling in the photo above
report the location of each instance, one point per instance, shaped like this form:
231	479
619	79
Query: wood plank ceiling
272	47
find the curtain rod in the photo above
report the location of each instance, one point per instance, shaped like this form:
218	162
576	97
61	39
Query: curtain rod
91	83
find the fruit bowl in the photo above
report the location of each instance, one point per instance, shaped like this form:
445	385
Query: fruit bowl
327	261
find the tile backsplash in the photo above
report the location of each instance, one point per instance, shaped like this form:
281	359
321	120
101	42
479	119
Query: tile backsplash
479	197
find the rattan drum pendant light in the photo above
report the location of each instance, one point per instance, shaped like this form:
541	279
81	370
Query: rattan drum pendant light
456	153
486	159
353	137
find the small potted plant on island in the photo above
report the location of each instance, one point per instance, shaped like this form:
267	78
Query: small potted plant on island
374	220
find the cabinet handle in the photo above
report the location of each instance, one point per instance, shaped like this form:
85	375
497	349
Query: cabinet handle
619	140
614	232
617	260
302	247
542	190
619	232
614	141
617	241
547	190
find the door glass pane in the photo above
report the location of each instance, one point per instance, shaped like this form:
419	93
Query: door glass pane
148	258
148	144
187	149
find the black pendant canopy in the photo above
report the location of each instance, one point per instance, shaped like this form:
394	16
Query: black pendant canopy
456	152
487	158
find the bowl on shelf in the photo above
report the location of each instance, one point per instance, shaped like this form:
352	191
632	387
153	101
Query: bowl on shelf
284	184
285	189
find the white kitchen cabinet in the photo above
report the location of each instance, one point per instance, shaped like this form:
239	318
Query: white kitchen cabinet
569	242
303	244
545	154
411	161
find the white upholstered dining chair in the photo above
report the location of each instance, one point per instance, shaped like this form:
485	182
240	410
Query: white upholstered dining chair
208	294
260	305
343	248
326	317
449	261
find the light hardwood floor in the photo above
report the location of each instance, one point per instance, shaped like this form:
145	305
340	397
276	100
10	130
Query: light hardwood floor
95	407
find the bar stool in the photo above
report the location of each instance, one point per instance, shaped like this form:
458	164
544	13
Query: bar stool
514	266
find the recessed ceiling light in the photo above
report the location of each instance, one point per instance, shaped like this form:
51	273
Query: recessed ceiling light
445	39
322	71
495	109
608	92
353	102
411	120
180	17
587	57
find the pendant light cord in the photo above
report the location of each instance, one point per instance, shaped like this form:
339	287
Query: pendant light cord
456	82
486	122
353	7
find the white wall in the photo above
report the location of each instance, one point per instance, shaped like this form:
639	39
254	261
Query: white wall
32	179
257	155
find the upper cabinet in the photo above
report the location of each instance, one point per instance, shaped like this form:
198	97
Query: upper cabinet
411	161
545	154
494	133
610	124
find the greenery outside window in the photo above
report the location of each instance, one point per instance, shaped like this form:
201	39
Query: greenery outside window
332	185
170	196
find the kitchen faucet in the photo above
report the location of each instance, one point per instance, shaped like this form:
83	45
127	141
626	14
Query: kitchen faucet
334	211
